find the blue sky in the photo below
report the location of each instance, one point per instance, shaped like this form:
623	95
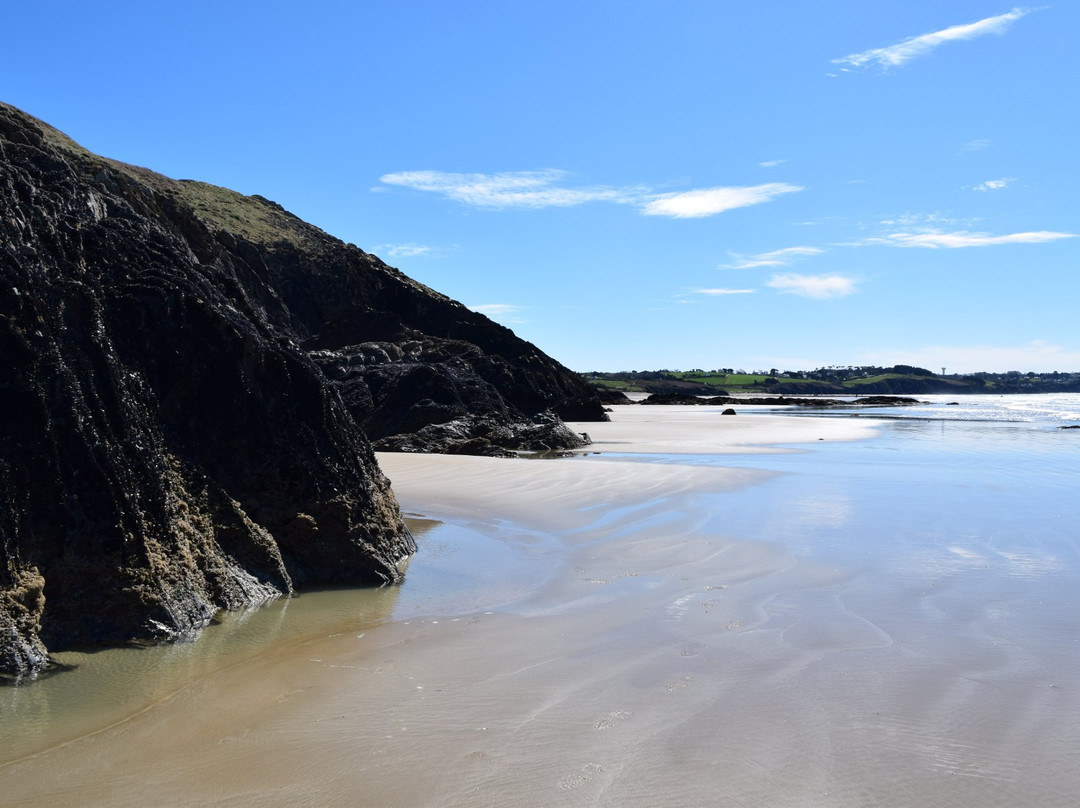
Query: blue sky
629	185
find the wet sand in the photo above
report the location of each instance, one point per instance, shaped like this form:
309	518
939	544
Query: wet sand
605	642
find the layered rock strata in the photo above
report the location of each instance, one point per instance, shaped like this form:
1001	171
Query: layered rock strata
186	377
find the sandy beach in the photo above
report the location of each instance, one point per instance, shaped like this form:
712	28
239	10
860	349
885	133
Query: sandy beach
590	631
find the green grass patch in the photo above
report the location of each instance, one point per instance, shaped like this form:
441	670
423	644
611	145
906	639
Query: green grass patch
872	379
724	380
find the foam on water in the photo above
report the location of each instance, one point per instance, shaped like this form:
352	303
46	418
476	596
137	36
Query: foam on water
1043	409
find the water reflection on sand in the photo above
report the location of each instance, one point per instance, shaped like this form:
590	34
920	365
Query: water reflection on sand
889	622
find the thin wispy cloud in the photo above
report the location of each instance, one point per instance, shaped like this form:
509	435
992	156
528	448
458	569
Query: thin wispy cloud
912	47
503	312
775	258
548	188
402	250
962	238
995	185
974	145
511	189
819	287
772	163
926	222
710	201
718	292
815	222
494	309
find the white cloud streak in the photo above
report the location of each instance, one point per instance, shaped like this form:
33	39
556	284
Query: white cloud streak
995	185
710	201
772	163
901	52
776	258
543	189
402	250
962	238
926	222
496	309
819	287
511	189
718	292
505	313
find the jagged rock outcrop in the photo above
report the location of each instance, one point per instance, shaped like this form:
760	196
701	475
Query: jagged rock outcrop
668	399
186	375
405	357
608	395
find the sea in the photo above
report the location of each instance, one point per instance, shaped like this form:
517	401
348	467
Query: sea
989	476
952	544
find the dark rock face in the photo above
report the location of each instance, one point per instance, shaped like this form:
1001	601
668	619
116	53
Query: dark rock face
186	375
885	401
425	394
684	399
406	358
610	396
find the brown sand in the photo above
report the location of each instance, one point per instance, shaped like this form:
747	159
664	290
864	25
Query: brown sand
651	662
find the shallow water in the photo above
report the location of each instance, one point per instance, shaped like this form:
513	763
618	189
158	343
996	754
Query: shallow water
102	687
1047	410
887	622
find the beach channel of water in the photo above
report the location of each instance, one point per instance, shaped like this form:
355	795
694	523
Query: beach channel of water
890	621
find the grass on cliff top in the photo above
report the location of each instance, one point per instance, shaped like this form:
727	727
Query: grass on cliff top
881	377
724	380
251	217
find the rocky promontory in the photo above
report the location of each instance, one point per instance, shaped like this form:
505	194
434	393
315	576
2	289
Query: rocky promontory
191	381
778	401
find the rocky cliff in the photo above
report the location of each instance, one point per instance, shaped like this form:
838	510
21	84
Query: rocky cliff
186	379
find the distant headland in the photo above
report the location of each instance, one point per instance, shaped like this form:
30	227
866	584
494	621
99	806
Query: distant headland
832	380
